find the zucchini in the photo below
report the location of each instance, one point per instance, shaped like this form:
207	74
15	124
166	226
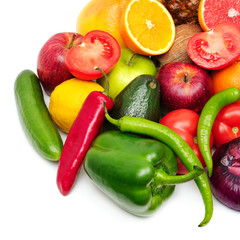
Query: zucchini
35	117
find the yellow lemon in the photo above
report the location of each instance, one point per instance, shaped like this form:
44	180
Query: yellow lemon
67	99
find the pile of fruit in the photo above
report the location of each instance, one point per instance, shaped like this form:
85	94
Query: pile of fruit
147	92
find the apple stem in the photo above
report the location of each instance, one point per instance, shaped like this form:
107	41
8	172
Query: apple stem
129	62
185	78
106	90
70	45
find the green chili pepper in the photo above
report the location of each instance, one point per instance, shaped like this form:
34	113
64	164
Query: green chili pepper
206	120
137	173
177	144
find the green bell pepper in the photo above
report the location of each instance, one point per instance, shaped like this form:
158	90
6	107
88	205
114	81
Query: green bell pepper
137	173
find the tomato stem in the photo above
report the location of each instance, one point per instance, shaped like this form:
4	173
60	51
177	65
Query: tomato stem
235	130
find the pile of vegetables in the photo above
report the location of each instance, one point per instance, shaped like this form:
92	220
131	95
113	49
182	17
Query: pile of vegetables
130	151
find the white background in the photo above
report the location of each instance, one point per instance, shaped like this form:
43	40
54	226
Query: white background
31	206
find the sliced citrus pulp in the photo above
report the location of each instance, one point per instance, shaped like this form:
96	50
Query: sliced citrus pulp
147	27
212	12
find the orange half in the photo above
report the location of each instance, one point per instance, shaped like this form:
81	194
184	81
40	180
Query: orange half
147	27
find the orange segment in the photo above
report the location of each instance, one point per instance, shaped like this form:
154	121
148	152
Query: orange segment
147	27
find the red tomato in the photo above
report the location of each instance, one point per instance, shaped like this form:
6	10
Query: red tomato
184	122
98	49
216	48
227	124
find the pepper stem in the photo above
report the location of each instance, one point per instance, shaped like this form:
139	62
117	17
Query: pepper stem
162	178
106	90
108	117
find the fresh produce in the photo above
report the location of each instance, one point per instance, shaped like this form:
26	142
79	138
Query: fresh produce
212	12
184	85
98	48
225	181
140	98
128	67
216	48
136	173
67	99
227	125
83	131
50	63
182	11
178	51
127	40
206	120
227	77
184	122
150	33
177	144
34	116
102	15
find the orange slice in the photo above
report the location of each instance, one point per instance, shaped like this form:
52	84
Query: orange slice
212	12
147	27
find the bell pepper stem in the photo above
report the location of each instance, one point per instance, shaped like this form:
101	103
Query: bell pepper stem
162	178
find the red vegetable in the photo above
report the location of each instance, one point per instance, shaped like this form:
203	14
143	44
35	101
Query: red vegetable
83	131
227	124
217	48
225	180
184	122
98	48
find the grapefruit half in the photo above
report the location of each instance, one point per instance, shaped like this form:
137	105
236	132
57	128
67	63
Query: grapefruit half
212	12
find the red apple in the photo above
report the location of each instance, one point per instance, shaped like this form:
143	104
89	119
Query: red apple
184	85
51	68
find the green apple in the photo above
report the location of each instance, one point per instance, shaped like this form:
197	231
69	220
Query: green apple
128	67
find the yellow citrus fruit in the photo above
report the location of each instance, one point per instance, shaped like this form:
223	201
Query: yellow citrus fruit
227	77
102	15
67	99
147	27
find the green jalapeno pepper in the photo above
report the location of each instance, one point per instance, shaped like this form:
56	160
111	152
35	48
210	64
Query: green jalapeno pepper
137	173
177	144
206	120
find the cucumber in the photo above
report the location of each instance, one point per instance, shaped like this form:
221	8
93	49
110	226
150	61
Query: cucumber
140	98
35	118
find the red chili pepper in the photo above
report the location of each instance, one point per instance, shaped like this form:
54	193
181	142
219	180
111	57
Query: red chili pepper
83	131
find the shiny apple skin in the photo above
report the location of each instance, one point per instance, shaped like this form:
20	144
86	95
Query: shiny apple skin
184	85
50	64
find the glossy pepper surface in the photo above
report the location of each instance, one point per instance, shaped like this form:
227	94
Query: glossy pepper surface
137	173
84	130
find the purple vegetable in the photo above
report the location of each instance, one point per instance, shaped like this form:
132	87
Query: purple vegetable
225	180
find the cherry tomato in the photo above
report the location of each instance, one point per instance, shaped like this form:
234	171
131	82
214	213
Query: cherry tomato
98	49
227	124
217	48
184	122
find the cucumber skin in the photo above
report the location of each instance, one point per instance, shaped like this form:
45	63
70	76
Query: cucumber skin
35	117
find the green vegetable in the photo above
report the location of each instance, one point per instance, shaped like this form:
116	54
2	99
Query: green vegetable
34	116
206	120
135	172
177	144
